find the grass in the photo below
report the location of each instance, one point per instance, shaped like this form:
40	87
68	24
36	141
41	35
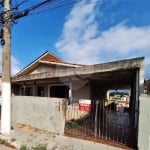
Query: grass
39	147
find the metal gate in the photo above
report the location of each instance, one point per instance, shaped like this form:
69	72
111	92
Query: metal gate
105	121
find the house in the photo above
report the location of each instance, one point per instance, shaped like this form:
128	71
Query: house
147	87
0	85
0	89
49	76
47	63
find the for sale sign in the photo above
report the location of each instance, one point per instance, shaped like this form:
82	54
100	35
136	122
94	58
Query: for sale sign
85	105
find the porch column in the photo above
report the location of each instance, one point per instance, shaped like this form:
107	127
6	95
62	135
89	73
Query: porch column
70	91
35	89
136	98
141	79
139	90
107	95
24	90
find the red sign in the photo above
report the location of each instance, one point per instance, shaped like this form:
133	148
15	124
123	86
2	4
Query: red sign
85	105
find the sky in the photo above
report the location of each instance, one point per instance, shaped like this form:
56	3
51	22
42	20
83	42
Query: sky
97	32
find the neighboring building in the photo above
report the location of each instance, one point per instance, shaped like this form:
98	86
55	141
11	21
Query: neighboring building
0	89
147	87
0	85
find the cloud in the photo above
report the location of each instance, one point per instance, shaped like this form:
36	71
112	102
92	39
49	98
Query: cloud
82	41
15	65
123	39
72	44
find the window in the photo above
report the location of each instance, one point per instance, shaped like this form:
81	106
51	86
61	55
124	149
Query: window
26	91
29	91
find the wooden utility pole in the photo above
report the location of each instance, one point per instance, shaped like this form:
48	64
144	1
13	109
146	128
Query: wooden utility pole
6	70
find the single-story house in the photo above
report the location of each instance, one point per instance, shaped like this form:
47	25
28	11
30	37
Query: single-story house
49	76
59	86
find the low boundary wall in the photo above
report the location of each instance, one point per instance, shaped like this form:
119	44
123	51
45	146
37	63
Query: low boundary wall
144	123
39	112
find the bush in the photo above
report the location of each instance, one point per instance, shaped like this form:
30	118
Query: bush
23	147
71	125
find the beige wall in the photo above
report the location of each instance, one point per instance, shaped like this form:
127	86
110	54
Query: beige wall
80	90
43	68
39	112
48	68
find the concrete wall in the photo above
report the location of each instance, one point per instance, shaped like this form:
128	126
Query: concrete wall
144	123
80	90
48	68
43	68
39	112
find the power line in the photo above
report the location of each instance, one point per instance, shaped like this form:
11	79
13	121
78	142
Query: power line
60	5
67	6
54	6
12	14
16	14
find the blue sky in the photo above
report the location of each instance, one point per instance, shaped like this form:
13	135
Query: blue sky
99	32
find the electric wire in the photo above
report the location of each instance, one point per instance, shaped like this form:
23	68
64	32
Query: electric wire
66	6
52	4
23	13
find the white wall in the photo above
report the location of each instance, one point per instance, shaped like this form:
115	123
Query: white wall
144	123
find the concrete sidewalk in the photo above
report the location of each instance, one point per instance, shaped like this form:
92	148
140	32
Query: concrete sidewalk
4	147
31	137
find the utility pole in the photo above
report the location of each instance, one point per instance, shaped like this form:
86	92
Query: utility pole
8	17
6	70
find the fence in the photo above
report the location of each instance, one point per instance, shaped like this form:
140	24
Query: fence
102	121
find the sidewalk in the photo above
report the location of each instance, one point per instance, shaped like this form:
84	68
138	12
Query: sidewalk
3	147
31	137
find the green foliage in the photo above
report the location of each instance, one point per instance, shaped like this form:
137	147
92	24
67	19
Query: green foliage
23	147
71	125
39	147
